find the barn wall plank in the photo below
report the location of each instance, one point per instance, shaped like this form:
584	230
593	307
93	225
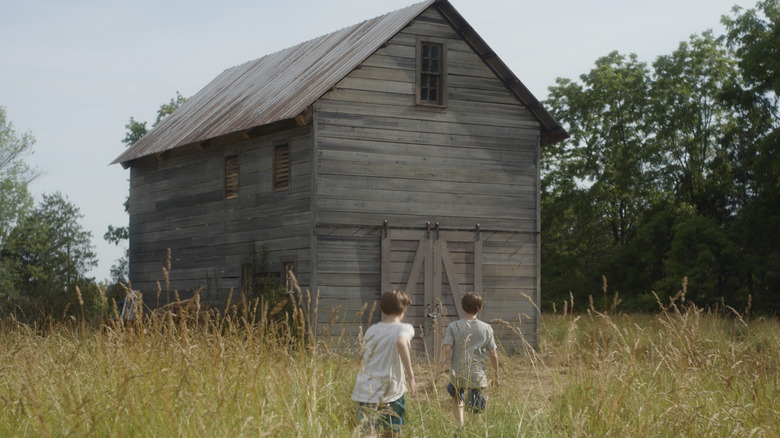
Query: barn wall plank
380	157
179	204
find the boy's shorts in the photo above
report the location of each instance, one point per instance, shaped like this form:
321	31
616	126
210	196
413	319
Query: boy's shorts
382	415
476	398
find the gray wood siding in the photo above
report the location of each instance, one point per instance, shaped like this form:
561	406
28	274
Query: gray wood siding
179	204
380	157
350	278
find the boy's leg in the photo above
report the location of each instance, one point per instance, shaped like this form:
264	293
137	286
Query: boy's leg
476	402
457	411
367	419
457	403
395	417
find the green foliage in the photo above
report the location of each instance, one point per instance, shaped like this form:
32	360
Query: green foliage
669	173
15	174
756	40
755	37
261	285
167	109
703	252
47	255
689	120
135	130
605	155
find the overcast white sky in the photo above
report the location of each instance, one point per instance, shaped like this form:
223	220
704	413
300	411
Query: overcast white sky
73	72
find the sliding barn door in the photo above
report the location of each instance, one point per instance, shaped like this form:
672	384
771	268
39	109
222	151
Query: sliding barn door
436	268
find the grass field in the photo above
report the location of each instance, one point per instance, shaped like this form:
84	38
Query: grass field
682	372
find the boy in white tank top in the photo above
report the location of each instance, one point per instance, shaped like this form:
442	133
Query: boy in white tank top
387	367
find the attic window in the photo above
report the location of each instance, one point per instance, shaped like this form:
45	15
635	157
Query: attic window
431	74
282	167
231	177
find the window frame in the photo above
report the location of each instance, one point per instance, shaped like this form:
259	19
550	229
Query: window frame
276	181
288	262
442	44
232	189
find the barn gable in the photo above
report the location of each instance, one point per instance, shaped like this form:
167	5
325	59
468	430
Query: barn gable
352	166
281	86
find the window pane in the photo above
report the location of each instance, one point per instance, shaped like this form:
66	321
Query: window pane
431	73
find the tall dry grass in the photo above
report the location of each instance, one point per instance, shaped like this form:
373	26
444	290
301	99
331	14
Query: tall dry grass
685	371
191	371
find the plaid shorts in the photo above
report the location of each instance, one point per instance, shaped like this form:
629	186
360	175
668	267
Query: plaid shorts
475	401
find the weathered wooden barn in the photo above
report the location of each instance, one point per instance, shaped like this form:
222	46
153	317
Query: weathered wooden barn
400	152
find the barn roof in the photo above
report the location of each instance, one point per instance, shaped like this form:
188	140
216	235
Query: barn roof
282	85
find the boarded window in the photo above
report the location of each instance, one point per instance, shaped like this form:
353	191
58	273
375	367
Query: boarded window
231	177
282	167
287	269
431	73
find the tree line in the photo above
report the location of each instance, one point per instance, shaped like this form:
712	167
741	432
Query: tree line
671	174
45	254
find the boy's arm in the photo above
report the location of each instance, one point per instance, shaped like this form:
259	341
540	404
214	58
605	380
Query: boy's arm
406	360
494	361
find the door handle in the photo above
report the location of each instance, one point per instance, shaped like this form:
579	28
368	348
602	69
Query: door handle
432	315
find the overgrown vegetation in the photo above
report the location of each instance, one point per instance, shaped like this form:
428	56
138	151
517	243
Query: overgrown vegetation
191	371
262	285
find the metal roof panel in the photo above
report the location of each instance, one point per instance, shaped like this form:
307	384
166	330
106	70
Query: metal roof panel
280	86
275	87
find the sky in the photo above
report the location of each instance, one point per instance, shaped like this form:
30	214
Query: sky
73	72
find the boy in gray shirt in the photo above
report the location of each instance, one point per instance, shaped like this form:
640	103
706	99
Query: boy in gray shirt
471	343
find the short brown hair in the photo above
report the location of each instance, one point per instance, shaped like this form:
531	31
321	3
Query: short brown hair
394	302
471	302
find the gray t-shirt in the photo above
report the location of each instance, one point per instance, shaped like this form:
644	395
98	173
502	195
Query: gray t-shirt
471	342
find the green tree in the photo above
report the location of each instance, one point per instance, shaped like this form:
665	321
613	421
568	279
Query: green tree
49	254
136	129
754	35
595	187
15	174
605	153
756	40
647	187
690	119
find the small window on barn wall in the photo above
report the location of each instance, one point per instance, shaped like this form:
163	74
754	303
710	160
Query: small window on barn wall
431	86
231	177
288	267
282	167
